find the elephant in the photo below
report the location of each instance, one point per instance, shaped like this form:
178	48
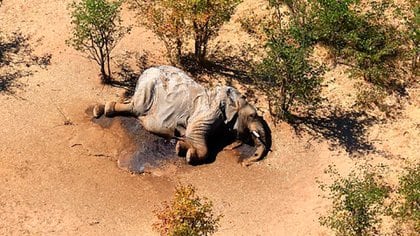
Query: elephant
169	103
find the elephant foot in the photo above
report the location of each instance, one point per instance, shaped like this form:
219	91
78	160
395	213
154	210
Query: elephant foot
191	156
180	149
196	155
98	111
110	109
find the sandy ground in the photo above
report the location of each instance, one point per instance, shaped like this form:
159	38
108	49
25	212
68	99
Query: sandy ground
59	179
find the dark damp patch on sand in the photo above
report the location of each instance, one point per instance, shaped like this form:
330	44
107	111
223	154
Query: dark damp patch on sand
145	151
150	151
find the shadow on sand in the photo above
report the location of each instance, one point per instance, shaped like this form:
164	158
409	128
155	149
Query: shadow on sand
346	129
16	56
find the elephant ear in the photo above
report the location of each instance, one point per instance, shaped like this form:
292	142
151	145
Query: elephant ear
231	111
232	104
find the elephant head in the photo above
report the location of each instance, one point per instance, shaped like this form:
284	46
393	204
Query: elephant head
248	125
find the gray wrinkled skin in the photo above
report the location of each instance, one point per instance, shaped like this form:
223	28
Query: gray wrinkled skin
171	104
167	99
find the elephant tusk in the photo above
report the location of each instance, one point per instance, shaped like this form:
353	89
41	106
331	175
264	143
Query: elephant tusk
256	134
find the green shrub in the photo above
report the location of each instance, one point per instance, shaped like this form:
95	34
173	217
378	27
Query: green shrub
357	34
288	78
408	210
360	38
357	201
96	30
187	214
410	14
286	74
174	22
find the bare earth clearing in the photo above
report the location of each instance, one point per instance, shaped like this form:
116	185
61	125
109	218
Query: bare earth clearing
63	179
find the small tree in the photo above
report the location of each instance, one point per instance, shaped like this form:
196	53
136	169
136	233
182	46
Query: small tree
357	201
96	30
187	214
288	77
166	18
175	21
207	17
286	74
357	34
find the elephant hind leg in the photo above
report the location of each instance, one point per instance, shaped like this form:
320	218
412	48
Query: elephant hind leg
98	110
111	109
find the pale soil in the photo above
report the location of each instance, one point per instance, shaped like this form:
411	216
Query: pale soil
63	179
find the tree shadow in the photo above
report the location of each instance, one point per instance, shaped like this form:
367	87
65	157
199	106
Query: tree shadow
230	67
16	58
346	129
127	76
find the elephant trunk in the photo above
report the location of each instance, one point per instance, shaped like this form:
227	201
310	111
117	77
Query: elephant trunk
261	136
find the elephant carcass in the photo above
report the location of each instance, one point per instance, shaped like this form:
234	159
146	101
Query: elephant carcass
171	104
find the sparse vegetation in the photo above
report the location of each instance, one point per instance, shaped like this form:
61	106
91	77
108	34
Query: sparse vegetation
410	18
358	34
187	214
174	22
357	201
371	97
97	29
407	210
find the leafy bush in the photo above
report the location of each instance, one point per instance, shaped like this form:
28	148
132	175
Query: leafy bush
408	210
357	201
410	13
360	38
357	34
288	78
187	214
286	74
96	30
175	21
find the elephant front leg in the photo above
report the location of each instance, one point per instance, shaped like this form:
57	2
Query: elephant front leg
196	154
